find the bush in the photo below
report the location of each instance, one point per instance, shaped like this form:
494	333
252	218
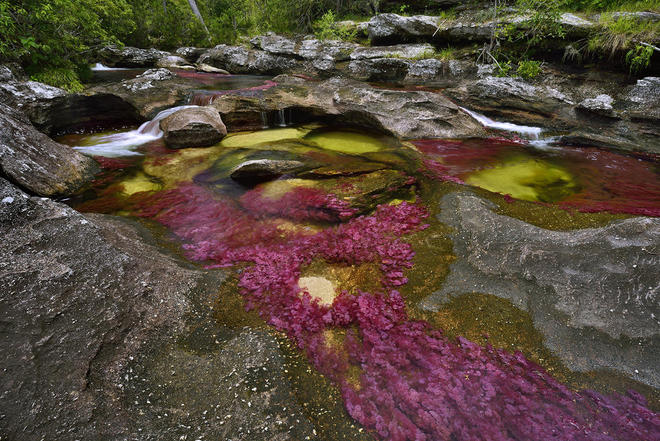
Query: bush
326	29
529	69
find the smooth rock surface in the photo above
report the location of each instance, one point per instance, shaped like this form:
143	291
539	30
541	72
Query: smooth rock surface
107	337
193	127
37	163
593	293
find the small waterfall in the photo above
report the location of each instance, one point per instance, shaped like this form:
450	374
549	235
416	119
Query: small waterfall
100	67
282	118
527	131
264	120
152	128
123	143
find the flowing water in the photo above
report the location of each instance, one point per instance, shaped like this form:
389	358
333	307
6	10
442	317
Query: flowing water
326	240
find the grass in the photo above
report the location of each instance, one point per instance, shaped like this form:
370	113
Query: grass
620	35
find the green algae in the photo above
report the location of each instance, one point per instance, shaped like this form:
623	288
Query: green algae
139	183
346	141
320	400
245	139
526	179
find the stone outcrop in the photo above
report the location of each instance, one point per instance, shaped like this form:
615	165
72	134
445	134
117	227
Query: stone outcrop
405	114
150	92
593	293
130	56
193	127
107	337
394	28
53	110
37	163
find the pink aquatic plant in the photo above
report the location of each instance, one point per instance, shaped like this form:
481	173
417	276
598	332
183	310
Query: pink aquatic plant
300	203
414	383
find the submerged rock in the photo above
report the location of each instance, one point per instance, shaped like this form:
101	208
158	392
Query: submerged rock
193	127
106	336
256	170
592	293
36	162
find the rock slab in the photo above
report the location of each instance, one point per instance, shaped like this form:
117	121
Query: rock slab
193	127
593	293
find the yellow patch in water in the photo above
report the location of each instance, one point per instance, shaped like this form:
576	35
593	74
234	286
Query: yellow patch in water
526	179
346	142
181	166
246	139
319	288
139	183
276	189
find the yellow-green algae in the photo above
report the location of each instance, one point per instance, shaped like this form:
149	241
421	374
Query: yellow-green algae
345	141
526	179
246	139
139	183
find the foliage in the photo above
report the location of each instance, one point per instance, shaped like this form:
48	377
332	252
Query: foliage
326	29
57	35
611	5
624	35
543	22
528	69
62	77
639	58
504	69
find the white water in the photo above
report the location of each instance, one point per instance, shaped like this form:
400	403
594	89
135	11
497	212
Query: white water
121	144
102	67
527	131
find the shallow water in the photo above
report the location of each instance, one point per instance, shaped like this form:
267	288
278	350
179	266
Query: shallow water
586	178
335	225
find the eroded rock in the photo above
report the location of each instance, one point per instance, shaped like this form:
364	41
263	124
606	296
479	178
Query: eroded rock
593	293
193	127
108	337
37	163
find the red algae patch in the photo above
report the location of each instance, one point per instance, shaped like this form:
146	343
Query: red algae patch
585	179
399	377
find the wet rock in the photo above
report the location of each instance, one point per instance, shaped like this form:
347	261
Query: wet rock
193	127
432	69
191	54
53	110
149	93
404	114
256	170
108	337
173	61
601	105
37	163
393	28
379	69
335	50
240	60
210	69
643	100
516	100
397	51
592	293
130	56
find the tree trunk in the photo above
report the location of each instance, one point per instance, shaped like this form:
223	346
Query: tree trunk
165	6
195	9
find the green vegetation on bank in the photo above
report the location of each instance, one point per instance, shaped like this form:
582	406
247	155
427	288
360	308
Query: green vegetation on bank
55	40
